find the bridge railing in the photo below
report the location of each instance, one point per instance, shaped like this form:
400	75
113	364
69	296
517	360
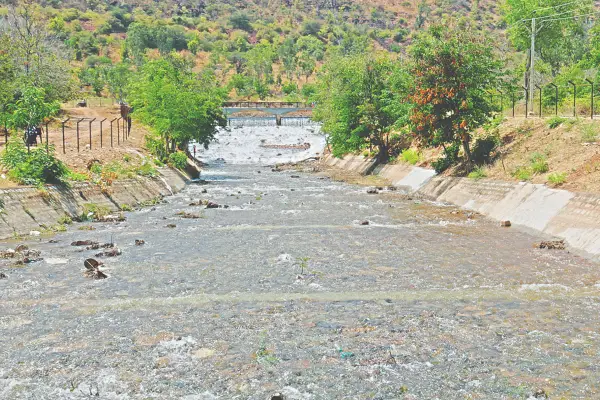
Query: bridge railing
266	104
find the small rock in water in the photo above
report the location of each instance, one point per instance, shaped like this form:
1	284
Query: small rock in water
295	176
140	242
171	226
552	245
364	222
372	191
204	191
539	394
210	204
277	396
3	275
114	252
21	248
505	224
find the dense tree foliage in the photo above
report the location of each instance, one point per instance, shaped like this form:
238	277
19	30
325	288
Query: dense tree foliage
359	101
452	68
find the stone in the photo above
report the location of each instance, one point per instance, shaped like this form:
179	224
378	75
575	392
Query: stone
35	233
3	275
204	191
277	396
552	245
203	353
505	224
140	242
85	243
364	222
372	191
171	226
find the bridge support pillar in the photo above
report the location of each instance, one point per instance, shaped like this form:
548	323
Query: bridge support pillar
278	120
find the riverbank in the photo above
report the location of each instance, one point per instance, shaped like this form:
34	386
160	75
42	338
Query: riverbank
34	211
574	217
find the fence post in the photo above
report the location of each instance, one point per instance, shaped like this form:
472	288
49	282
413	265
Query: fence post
63	134
574	99
540	89
118	132
592	84
111	132
101	122
90	130
526	101
555	98
78	122
47	150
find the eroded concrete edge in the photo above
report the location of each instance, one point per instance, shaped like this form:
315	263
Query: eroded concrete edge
574	217
27	209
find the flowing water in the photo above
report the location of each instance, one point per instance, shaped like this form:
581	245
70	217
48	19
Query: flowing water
286	291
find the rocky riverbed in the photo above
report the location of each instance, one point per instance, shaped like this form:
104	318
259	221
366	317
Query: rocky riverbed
294	284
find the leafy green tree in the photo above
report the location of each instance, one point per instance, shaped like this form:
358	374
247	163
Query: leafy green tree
178	105
360	99
287	52
32	108
453	68
240	20
260	60
117	78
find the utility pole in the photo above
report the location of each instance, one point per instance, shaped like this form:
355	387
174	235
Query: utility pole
532	64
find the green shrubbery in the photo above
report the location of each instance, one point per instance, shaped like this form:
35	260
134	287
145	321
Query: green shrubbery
557	178
178	160
410	156
555	122
33	167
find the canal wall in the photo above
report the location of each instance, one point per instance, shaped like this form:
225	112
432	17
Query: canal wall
574	217
29	209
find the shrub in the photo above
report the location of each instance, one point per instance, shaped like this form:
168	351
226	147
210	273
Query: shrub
65	220
555	122
289	88
589	133
92	211
450	158
35	167
477	173
484	147
77	177
539	163
410	156
557	179
522	173
178	160
146	169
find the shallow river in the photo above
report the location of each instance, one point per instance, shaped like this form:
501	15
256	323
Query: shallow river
285	291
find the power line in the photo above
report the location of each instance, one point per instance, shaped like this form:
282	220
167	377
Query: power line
573	16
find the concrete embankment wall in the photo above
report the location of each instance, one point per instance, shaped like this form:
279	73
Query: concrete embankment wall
27	209
574	217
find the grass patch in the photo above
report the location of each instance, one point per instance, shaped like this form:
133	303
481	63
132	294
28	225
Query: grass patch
589	133
65	220
555	122
75	176
557	178
477	173
539	163
410	156
92	211
522	173
125	207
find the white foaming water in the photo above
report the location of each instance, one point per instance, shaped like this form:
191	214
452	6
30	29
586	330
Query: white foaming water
246	145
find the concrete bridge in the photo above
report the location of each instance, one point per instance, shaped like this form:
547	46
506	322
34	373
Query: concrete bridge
276	108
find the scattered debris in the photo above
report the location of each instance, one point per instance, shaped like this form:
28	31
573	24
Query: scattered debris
539	394
84	243
505	224
372	191
53	241
21	248
86	228
344	355
93	270
113	252
140	242
392	188
184	214
35	233
113	218
171	226
552	245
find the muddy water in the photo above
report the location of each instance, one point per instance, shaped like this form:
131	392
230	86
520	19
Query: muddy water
285	291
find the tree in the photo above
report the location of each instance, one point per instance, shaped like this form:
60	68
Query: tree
117	79
32	108
558	42
240	20
452	70
260	59
287	56
178	105
360	99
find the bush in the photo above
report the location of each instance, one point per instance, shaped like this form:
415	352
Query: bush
539	163
178	160
483	149
410	156
555	122
35	167
289	88
146	169
589	133
477	173
557	179
450	158
522	173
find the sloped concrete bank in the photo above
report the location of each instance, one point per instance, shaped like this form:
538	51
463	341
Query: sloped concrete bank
574	217
27	209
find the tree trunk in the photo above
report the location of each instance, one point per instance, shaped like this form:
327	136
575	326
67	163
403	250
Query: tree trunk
467	150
